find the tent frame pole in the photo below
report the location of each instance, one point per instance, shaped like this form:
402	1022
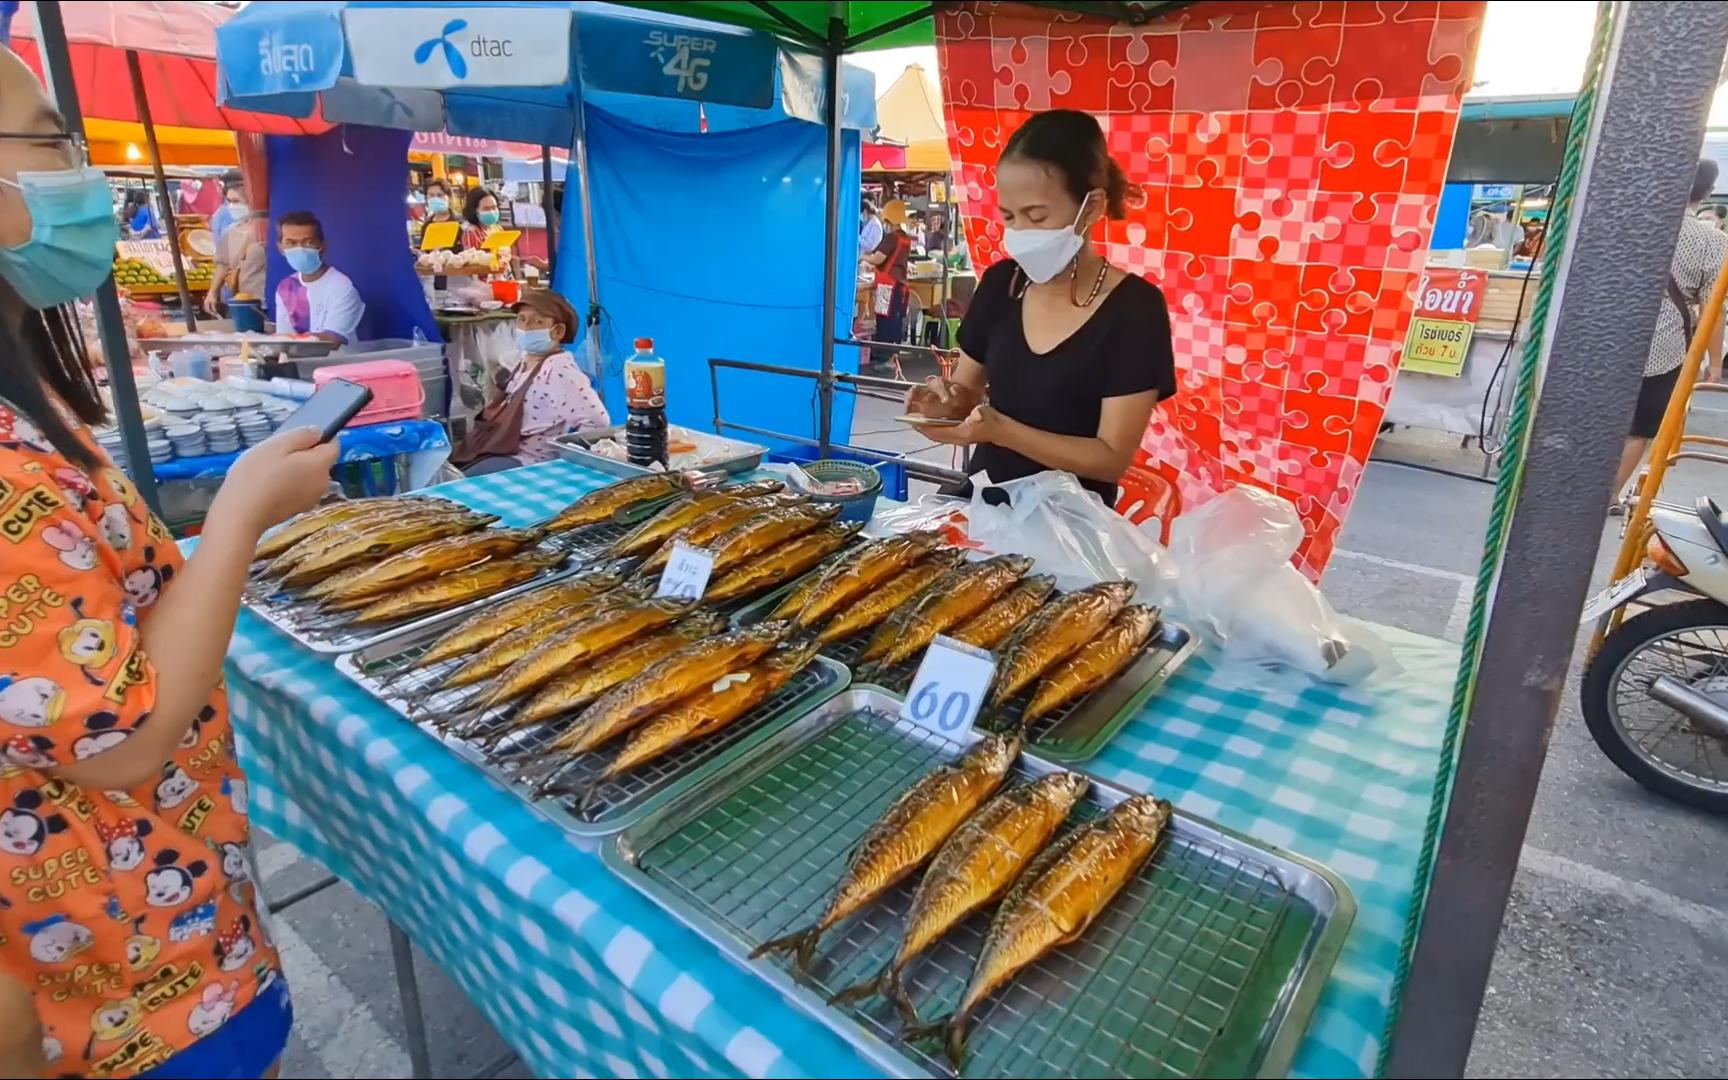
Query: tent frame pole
135	68
546	208
579	157
110	327
1632	193
831	233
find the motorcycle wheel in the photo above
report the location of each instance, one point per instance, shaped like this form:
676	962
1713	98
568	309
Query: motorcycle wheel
1645	739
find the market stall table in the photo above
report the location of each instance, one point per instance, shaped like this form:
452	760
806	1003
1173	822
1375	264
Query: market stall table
578	971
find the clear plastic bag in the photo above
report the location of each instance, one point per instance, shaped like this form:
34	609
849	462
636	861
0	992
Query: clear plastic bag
1239	589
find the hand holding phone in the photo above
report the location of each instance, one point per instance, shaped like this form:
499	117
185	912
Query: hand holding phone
330	408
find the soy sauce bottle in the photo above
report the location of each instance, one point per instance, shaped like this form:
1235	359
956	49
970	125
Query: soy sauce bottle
645	397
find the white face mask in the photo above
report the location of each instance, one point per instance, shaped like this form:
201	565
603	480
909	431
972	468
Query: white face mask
1044	253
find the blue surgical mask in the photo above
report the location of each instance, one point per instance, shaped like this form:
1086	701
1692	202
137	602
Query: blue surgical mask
303	260
72	233
437	204
534	342
488	217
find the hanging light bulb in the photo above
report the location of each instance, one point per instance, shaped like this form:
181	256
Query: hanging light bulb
133	153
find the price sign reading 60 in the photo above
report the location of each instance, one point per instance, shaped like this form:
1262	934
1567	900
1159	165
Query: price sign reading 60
949	687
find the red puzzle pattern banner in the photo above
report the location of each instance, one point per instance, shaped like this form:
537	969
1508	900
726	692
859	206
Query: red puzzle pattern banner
1292	157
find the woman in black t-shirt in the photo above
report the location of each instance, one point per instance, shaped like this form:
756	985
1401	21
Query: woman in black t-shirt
1063	356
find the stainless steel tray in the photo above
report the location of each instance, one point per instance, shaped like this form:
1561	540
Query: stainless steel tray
304	625
1208	963
1077	731
573	446
619	802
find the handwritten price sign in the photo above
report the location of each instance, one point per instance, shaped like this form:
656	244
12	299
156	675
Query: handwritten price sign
686	574
949	688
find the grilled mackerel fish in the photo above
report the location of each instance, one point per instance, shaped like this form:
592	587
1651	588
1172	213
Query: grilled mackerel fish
496	658
904	837
578	688
681	512
400	535
578	643
312	521
972	871
972	587
358	587
893	595
457	587
1054	632
989	627
1055	901
716	522
346	530
599	506
706	712
672	679
485	627
743	542
857	573
782	563
1094	664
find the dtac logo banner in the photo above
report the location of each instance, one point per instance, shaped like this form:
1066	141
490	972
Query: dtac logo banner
438	48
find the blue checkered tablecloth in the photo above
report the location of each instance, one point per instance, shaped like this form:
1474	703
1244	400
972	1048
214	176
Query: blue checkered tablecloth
583	975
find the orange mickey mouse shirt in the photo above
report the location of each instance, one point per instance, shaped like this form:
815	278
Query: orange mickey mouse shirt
131	914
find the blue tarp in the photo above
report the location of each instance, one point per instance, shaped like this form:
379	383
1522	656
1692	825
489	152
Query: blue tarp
712	244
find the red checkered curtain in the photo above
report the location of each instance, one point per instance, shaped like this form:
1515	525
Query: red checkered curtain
1292	156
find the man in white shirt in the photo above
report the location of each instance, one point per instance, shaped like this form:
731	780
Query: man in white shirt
317	298
869	229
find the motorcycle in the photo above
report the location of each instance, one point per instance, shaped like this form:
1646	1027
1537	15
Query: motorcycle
1655	694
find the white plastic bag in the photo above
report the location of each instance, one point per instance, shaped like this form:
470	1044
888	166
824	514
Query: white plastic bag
1070	534
1238	588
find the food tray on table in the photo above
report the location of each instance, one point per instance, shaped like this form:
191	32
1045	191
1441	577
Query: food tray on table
1073	733
620	801
1208	963
722	455
315	631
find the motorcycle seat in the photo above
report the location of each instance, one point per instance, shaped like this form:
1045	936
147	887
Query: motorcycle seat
1711	515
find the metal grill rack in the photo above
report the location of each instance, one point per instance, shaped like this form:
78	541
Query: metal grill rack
1075	732
1208	963
382	671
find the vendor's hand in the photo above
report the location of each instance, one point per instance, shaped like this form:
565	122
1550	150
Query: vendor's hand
937	396
980	426
280	477
212	302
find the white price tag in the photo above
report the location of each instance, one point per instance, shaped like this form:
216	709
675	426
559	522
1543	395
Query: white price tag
686	573
949	687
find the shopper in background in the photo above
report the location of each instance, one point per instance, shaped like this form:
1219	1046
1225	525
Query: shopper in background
122	794
1699	254
316	298
546	395
890	260
234	206
240	259
482	213
138	218
869	229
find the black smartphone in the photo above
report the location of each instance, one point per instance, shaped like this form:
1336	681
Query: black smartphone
330	408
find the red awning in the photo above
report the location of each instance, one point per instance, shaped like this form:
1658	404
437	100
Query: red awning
176	45
883	157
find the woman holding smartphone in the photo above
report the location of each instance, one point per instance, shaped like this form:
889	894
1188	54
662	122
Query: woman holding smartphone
124	858
1062	356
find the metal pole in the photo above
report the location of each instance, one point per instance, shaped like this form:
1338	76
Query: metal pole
1649	122
408	992
136	69
110	327
831	235
579	157
546	207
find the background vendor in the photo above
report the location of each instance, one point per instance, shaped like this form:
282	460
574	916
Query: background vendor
546	394
1063	356
439	210
317	298
240	258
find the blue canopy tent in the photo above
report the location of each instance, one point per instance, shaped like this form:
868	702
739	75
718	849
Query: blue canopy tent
667	253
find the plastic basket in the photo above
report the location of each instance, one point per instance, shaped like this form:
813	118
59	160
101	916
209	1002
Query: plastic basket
892	473
857	507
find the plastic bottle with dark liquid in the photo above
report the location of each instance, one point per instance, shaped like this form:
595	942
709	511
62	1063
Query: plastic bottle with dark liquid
645	398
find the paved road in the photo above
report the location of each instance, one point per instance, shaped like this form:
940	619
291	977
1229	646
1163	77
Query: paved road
1613	960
